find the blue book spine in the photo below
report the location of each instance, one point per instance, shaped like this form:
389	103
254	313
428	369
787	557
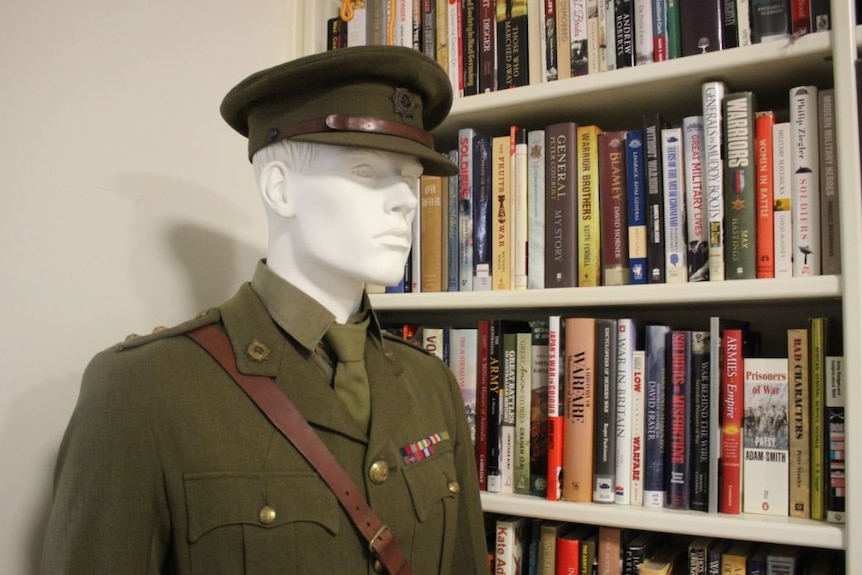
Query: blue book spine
654	425
637	213
465	209
482	206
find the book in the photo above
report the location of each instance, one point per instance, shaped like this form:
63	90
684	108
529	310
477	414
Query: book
734	559
668	559
770	20
659	31
568	553
609	551
800	17
520	218
604	431
655	339
764	124
466	137
700	27
805	186
637	430
820	13
536	208
614	225
502	222
589	553
713	556
482	214
743	22
756	564
675	248
455	51
463	361
495	399
512	43
550	44
539	364
638	550
765	437
643	32
515	335
836	487
697	256
701	388
511	533
589	209
800	438
561	211
729	27
431	238
487	46
624	29
730	468
562	23
712	95
783	560
607	14
653	126
626	343
549	531
830	222
523	410
483	375
698	555
578	401
469	36
556	413
740	250
782	176
581	52
636	208
441	33
450	229
674	33
817	350
679	418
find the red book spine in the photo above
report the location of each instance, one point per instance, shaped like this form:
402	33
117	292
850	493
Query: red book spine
555	411
763	123
800	16
484	333
730	467
567	555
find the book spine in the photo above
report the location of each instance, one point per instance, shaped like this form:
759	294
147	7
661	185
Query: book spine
700	27
659	30
676	268
523	405
336	33
764	123
799	460
821	16
578	395
501	200
512	65
487	56
551	49
836	489
561	227
495	400
555	409
770	20
463	361
765	438
654	424
510	539
450	228
481	216
817	363
415	269
431	214
674	40
429	27
536	209
613	208
609	550
610	38
782	176
643	32
679	420
469	29
697	254
441	29
712	96
567	554
508	394
740	250
466	190
604	432
700	405
638	432
830	228
653	125
626	343
520	219
357	27
539	347
636	208
595	47
729	26
483	338
743	22
580	52
800	17
730	499
624	15
563	38
805	185
589	223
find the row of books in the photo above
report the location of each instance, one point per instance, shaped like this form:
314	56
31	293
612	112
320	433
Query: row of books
616	411
731	193
488	45
526	546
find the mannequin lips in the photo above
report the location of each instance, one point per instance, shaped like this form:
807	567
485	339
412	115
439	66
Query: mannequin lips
394	237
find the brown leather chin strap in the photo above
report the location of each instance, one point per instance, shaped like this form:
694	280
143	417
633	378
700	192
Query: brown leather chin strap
285	416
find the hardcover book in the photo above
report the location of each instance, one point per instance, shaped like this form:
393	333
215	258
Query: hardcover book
636	208
817	350
836	488
502	223
483	357
487	42
562	27
656	394
431	235
624	15
638	550
536	209
698	555
549	531
466	182
561	211
539	349
627	342
482	214
523	410
604	433
520	217
830	222
609	552
589	208
675	248
764	123
653	126
581	53
701	421
614	245
463	361
556	413
679	420
805	186
800	439
740	250
782	224
643	32
697	256
713	93
638	432
732	350
511	536
578	395
770	20
469	31
512	43
765	437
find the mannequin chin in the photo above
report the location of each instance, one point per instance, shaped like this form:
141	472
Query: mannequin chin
339	218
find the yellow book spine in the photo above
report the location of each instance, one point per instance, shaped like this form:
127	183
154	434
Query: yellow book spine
589	214
501	252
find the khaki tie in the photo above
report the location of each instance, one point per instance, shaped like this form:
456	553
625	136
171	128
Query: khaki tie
351	379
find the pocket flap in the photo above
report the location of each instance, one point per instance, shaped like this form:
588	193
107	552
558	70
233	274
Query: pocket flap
430	480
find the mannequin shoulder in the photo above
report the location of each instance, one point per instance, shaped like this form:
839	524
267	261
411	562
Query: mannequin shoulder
134	340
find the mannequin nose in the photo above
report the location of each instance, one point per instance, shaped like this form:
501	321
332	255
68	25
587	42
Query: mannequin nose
402	198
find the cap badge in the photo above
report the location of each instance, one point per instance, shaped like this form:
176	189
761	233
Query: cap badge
403	102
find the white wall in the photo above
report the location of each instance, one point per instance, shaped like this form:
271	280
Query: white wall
125	201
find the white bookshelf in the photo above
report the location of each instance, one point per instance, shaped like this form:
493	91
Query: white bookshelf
618	99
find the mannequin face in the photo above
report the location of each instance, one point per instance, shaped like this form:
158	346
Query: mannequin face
353	212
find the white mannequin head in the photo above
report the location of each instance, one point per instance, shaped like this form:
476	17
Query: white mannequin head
339	217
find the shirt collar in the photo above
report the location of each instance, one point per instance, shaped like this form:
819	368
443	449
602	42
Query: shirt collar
298	314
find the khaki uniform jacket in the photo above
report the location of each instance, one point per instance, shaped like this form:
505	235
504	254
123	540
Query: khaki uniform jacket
168	468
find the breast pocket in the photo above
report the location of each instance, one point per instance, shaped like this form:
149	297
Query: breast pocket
257	523
434	490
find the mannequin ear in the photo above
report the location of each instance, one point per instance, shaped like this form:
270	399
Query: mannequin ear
276	190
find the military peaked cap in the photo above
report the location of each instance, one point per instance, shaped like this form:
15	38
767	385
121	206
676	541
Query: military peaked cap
380	97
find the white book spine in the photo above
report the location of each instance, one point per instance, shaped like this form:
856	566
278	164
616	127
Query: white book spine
454	52
520	212
781	200
695	206
404	24
610	35
463	362
743	22
626	341
805	187
594	27
712	95
643	32
356	27
602	36
536	209
637	433
676	270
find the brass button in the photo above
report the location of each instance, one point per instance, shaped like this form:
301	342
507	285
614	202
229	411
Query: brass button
454	487
257	351
378	472
377	566
267	515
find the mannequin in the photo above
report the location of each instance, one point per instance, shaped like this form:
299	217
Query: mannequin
167	467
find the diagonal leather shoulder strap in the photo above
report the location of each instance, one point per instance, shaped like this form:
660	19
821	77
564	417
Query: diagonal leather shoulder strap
285	416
